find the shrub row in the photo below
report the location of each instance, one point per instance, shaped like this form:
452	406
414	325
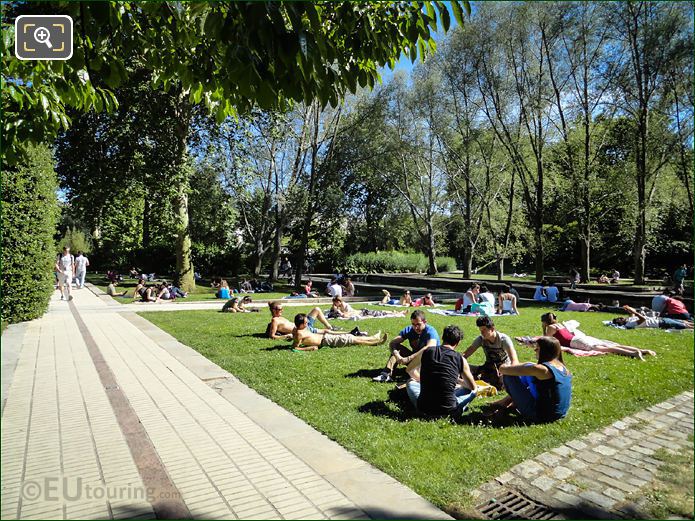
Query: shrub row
393	262
29	215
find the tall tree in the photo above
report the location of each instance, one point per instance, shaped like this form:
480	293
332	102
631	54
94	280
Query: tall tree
513	66
576	48
656	37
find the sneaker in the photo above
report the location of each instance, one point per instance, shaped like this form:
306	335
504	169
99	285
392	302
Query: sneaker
382	378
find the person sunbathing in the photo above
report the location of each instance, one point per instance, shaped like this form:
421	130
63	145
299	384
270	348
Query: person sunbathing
280	328
638	320
405	300
306	340
552	328
236	305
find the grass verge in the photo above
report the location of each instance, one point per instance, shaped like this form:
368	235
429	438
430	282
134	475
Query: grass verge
331	389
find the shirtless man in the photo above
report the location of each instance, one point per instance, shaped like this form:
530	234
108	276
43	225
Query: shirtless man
306	340
280	328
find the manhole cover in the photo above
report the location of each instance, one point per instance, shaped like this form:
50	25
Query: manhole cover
511	505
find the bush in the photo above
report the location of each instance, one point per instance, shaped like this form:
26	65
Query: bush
393	262
29	215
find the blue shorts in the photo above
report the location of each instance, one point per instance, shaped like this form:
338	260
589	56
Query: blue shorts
310	321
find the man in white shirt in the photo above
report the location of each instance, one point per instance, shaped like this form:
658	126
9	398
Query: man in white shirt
334	289
65	267
81	263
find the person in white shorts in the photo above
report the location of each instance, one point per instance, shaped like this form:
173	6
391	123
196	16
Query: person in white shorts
81	263
65	267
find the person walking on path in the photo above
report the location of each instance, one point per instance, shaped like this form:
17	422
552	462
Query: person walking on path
65	267
81	263
679	277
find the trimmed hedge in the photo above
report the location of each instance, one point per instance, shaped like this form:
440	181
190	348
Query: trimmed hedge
29	215
393	262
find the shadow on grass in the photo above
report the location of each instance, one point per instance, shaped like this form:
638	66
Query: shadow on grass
364	373
278	347
497	421
404	411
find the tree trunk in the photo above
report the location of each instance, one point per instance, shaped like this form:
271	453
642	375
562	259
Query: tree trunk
258	260
467	262
146	222
309	213
184	264
275	270
584	267
540	252
500	268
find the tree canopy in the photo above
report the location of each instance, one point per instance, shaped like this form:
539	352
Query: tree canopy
230	56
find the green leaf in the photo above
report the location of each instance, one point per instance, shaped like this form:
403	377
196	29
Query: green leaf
430	11
446	19
458	13
44	101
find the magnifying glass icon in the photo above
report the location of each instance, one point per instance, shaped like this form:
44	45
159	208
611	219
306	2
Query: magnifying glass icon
43	35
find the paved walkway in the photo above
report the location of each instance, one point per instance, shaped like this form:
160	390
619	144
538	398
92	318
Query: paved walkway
107	416
599	474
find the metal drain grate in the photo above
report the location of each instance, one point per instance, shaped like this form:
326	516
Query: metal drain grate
515	506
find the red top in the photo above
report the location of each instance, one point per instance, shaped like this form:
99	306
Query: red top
564	335
674	307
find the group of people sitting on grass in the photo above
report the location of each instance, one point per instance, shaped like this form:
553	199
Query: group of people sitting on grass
155	292
224	290
441	381
407	300
479	299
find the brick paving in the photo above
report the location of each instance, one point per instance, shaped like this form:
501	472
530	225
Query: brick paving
596	474
68	451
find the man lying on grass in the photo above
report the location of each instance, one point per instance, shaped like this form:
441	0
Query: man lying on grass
305	340
638	320
280	328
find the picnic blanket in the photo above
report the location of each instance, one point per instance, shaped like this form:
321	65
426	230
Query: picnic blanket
528	340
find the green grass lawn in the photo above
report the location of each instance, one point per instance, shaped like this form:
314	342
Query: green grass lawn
332	390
